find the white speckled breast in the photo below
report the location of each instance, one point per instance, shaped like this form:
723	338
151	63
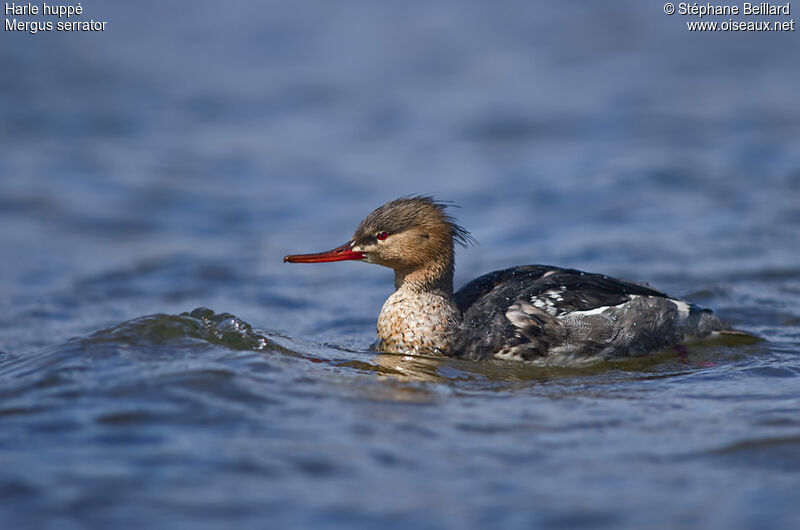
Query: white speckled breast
418	323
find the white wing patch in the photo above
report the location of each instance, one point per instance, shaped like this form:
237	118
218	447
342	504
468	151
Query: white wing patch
683	308
603	308
595	311
548	301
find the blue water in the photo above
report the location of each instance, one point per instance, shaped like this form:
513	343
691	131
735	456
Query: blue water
170	162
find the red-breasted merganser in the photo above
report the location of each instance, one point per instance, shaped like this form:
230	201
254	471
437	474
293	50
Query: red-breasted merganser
528	312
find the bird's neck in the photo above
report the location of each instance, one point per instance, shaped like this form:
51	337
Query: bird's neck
435	276
421	316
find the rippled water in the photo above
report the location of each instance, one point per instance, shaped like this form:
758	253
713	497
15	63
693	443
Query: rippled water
169	163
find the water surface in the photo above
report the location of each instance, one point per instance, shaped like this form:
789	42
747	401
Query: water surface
169	163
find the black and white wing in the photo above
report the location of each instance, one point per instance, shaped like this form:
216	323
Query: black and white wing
534	311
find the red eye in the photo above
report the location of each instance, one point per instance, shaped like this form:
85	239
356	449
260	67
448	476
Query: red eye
382	235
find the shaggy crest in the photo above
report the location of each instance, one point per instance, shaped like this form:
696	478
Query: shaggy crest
404	213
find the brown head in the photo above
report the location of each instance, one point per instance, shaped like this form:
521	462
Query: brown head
412	235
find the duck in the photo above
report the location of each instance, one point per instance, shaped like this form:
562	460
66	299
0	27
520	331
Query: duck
527	313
